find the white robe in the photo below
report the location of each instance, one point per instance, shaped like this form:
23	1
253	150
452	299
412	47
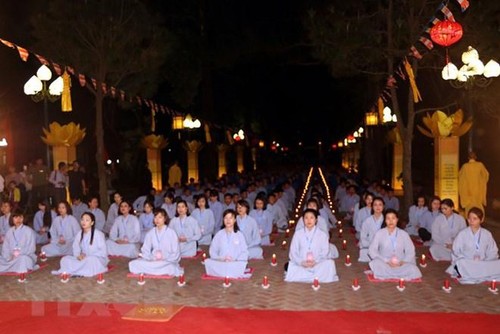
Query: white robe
279	216
206	221
323	227
369	228
41	238
265	223
359	218
20	240
111	217
444	232
248	226
385	246
125	227
218	210
78	210
314	244
100	219
96	256
187	227
160	254
414	214
427	219
171	209
475	256
147	223
4	227
228	255
62	228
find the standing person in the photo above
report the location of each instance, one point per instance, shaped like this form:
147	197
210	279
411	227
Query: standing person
309	254
113	212
125	233
38	176
90	256
474	252
187	229
76	181
369	227
62	232
392	251
42	222
59	181
100	218
205	218
472	184
174	174
161	250
18	249
444	230
228	250
250	229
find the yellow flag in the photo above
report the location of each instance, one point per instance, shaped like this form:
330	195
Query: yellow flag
66	93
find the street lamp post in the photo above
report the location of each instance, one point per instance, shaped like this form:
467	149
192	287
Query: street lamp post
472	74
36	88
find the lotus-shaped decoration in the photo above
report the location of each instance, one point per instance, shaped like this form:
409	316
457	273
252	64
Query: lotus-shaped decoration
68	135
442	125
154	142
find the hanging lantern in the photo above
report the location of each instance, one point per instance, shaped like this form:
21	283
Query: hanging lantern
446	33
177	122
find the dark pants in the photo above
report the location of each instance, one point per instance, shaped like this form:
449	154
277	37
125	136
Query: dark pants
424	234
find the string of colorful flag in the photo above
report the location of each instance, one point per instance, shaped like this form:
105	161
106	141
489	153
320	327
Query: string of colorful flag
111	90
403	70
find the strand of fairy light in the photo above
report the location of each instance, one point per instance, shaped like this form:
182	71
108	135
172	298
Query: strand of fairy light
299	206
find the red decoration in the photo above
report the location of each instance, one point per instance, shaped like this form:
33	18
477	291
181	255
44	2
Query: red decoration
446	33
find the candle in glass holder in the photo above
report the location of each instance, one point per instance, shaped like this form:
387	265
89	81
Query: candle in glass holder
273	260
22	277
283	244
446	284
100	278
340	233
347	260
493	285
423	262
141	279
316	283
204	257
64	277
181	281
401	283
43	256
226	281
344	244
265	282
355	283
287	233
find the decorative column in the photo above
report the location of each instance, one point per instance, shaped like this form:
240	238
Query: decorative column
240	150
154	144
446	130
221	151
192	148
63	139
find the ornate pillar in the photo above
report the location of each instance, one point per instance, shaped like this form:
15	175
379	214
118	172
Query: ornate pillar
446	153
221	152
240	150
154	144
192	148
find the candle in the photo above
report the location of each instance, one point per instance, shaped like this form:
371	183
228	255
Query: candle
340	233
265	281
344	244
401	283
347	259
355	283
422	260
316	282
273	259
22	277
141	278
64	277
204	256
283	244
43	256
226	280
181	279
287	233
446	284
493	285
100	277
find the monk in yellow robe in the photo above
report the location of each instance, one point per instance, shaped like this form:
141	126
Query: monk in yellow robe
472	184
174	174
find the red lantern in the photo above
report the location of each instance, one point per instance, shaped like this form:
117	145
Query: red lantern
446	33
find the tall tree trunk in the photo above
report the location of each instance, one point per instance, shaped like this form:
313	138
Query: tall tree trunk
99	155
